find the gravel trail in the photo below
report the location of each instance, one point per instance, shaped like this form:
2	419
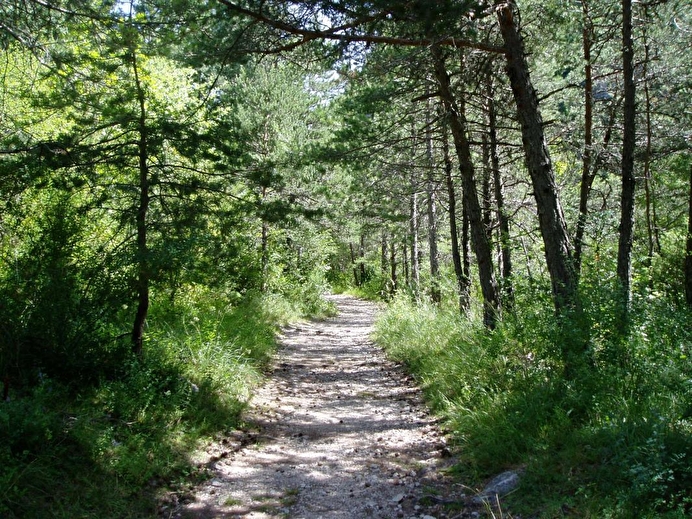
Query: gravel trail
337	431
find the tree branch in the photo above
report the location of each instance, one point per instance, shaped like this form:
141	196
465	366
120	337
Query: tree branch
337	34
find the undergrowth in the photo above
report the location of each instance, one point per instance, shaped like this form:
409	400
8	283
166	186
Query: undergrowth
614	440
105	449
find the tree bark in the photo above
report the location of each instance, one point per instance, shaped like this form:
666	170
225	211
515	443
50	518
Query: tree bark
507	287
587	176
558	249
393	265
624	265
361	257
414	222
486	197
479	239
466	248
463	280
407	272
431	189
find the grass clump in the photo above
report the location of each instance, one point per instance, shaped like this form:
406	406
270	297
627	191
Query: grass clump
612	439
106	448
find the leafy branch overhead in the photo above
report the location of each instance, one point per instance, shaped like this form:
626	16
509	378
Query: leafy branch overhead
346	24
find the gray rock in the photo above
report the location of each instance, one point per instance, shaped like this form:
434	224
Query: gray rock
499	486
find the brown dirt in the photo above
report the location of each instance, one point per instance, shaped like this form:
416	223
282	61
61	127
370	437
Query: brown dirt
337	431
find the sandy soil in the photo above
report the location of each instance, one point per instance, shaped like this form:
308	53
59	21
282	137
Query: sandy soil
337	431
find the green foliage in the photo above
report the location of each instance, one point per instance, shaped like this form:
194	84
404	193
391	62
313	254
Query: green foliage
70	452
58	316
611	441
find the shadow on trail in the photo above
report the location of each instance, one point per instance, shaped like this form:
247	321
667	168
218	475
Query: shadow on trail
337	432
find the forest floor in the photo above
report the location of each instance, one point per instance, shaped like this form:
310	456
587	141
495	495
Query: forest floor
337	431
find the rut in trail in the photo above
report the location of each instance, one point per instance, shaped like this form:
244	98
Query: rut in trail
338	431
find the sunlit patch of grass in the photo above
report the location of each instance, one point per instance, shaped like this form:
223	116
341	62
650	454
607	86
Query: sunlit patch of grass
614	440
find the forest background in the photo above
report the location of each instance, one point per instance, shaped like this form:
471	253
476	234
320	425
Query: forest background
180	178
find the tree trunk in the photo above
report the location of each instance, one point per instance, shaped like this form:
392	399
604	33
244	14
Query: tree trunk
457	123
587	176
407	273
597	161
264	248
505	249
624	266
431	191
486	197
463	280
393	265
143	274
361	257
466	248
356	279
558	250
688	251
265	255
650	224
414	223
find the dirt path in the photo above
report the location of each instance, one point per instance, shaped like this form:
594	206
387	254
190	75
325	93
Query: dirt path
338	431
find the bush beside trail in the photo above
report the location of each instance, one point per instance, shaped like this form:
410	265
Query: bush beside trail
109	447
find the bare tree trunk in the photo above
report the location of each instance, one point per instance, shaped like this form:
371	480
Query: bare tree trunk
486	197
650	224
407	273
457	123
356	279
624	266
384	255
414	224
466	247
503	219
265	255
393	265
463	280
431	189
361	257
143	272
558	249
264	248
688	249
587	176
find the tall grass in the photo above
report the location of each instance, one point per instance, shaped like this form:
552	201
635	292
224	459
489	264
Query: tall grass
614	441
106	449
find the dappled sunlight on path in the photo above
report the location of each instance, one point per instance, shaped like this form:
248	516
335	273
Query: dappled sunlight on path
338	431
